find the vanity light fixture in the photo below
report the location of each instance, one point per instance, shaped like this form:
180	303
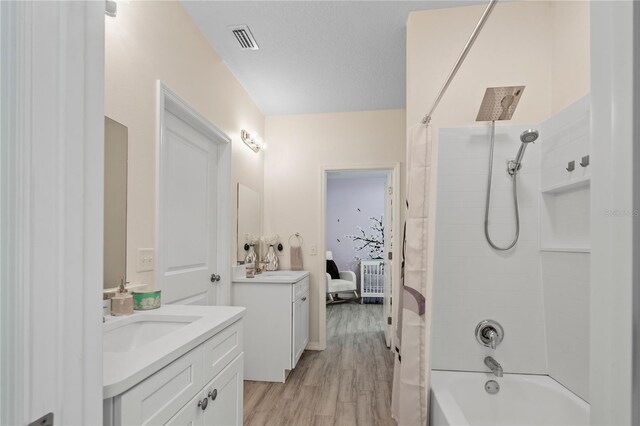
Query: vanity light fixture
253	141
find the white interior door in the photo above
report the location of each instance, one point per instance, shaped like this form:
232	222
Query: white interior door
388	264
187	214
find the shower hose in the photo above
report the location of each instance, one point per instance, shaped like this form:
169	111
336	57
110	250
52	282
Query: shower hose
488	201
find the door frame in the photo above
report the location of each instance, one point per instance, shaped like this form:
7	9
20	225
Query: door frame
51	211
394	170
167	100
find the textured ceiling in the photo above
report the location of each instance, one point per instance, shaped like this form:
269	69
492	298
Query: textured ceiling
315	56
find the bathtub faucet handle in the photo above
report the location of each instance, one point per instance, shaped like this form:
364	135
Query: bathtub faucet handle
489	333
493	338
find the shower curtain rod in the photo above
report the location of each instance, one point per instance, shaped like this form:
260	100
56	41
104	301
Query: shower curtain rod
463	55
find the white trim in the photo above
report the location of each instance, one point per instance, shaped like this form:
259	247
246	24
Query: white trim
612	188
394	169
167	100
53	163
314	346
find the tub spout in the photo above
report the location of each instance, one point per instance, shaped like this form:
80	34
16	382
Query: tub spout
493	365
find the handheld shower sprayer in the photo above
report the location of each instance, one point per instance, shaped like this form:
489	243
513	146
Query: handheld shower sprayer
526	137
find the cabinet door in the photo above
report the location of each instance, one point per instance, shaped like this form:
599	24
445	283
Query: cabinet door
191	414
300	332
225	394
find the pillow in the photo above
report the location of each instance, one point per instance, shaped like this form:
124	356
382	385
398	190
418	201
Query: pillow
332	269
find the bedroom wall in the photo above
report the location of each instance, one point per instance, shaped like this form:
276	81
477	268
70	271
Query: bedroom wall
351	202
155	40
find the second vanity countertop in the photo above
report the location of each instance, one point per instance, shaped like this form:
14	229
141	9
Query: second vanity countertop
177	328
270	277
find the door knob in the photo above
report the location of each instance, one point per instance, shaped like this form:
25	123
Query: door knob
215	278
203	404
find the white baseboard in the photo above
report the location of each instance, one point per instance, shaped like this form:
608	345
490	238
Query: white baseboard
314	346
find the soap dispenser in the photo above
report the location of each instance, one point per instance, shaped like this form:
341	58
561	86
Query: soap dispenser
122	302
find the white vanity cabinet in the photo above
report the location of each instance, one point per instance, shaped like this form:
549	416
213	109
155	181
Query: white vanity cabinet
203	386
276	322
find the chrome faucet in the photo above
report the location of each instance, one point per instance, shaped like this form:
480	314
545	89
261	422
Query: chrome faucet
493	365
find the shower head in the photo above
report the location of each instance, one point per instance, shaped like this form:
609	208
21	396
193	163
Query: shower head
529	135
499	103
526	137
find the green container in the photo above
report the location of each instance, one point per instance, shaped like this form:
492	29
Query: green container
146	300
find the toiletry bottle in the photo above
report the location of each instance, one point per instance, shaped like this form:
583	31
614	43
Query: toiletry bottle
122	302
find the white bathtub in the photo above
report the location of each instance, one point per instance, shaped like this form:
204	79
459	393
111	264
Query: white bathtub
459	398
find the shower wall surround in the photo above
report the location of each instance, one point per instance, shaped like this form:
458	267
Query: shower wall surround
473	282
538	291
565	220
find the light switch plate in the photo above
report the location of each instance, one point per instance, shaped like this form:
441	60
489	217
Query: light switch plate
313	251
146	260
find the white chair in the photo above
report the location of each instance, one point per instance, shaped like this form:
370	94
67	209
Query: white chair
346	284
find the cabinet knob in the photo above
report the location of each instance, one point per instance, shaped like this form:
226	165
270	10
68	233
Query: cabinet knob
203	404
215	278
304	298
213	394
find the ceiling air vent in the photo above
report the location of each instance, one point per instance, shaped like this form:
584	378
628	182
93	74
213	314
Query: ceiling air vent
244	37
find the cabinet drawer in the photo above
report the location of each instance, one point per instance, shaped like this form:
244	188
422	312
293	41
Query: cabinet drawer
221	349
156	399
300	288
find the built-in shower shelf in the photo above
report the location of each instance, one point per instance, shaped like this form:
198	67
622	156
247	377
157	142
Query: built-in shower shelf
579	183
567	249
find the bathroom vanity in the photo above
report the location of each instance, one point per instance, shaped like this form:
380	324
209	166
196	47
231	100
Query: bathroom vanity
276	323
179	364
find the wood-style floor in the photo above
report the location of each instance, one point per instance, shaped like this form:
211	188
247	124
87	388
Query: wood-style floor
349	383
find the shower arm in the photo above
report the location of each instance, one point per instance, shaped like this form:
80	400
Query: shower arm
461	58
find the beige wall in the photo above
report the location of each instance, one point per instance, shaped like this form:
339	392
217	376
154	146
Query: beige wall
153	40
299	145
543	45
571	56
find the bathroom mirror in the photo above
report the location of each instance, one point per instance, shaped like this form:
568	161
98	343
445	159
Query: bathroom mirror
249	214
115	202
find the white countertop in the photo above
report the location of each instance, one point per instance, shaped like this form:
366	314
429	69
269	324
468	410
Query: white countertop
270	277
123	370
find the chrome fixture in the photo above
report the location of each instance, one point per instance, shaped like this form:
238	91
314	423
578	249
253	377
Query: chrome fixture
493	365
492	387
526	137
465	50
489	333
253	141
571	166
499	103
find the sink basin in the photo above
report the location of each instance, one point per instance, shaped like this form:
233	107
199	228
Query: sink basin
135	332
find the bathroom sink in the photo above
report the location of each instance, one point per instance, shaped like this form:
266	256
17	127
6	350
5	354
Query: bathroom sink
134	332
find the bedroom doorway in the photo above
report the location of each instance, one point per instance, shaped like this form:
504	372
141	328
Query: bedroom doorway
359	218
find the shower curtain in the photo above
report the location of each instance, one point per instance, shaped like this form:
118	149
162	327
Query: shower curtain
410	395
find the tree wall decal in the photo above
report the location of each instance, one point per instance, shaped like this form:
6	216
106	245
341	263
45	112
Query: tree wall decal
373	241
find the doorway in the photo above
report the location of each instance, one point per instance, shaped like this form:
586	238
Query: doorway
360	218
